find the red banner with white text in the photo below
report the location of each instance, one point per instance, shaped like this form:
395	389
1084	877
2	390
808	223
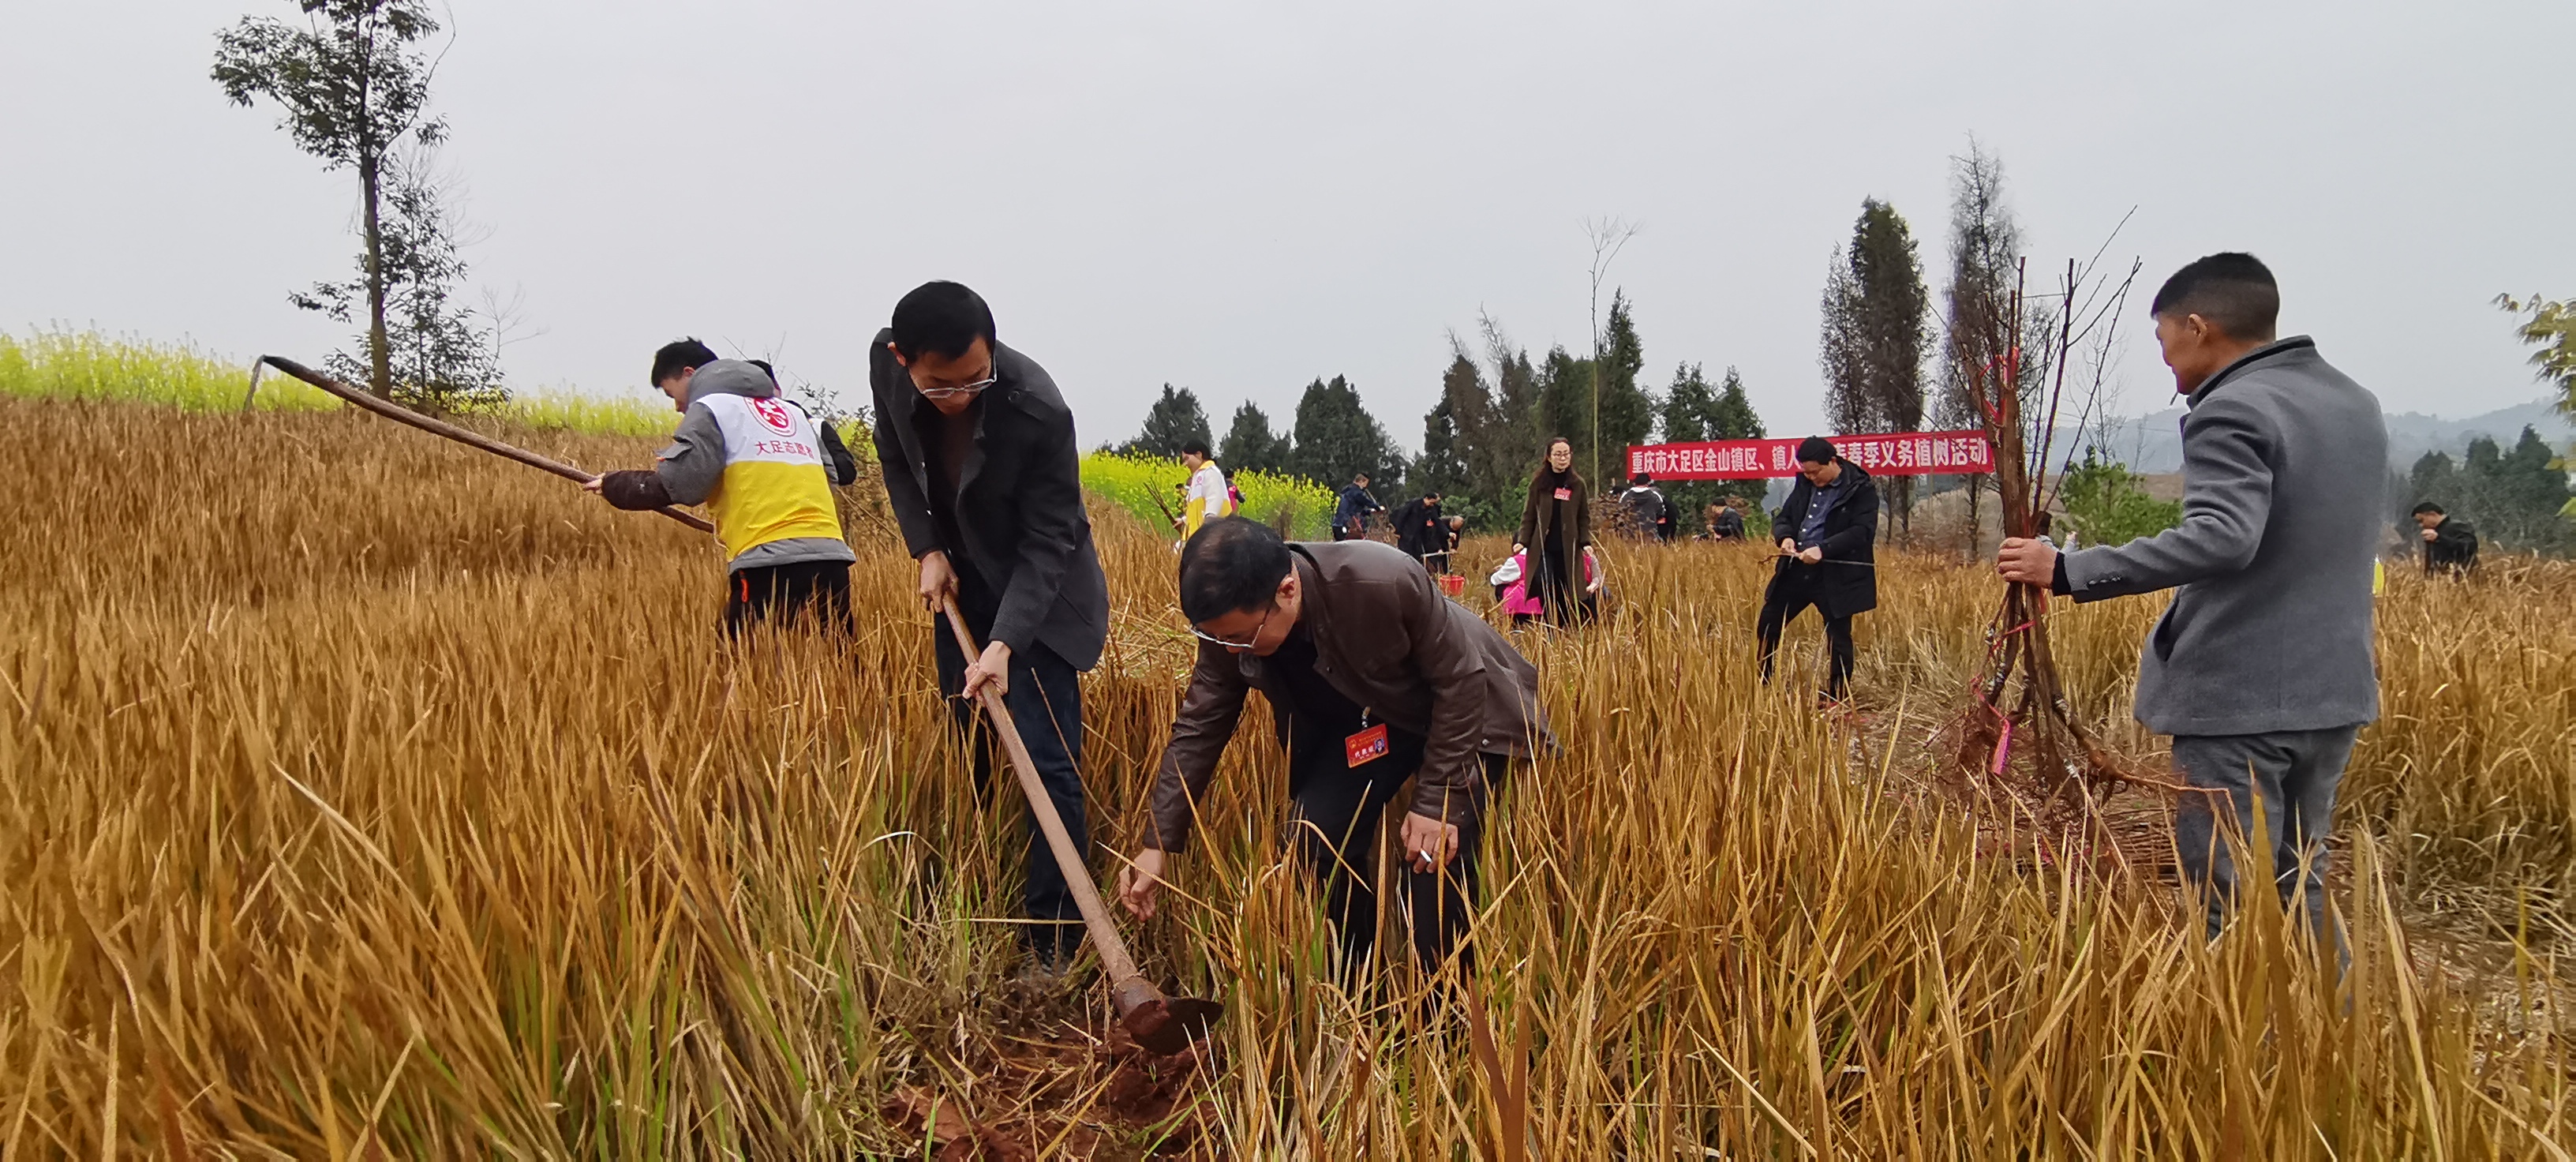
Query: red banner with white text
1879	453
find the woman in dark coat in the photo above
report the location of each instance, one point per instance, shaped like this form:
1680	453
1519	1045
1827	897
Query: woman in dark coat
1556	527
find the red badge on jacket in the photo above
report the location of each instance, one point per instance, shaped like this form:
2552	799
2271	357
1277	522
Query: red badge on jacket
1367	746
1565	494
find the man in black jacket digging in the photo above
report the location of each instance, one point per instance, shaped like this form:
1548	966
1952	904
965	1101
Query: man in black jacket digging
1827	533
985	480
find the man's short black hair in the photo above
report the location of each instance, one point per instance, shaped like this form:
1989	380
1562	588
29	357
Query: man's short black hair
1359	477
1231	564
1194	446
2234	291
1433	494
1815	450
941	318
2429	506
680	356
1642	479
765	369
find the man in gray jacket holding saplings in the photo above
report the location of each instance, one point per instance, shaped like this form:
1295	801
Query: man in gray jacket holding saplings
2261	669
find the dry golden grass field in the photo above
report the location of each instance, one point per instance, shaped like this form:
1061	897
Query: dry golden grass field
364	795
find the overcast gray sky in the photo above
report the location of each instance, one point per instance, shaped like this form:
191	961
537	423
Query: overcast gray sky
1240	198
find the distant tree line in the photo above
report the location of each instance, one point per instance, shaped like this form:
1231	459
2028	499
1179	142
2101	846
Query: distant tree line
1483	438
1887	362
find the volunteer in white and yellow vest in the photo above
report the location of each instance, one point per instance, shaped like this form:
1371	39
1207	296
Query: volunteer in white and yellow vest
765	470
1208	497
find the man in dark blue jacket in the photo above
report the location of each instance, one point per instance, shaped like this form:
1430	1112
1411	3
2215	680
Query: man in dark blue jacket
1350	516
1828	533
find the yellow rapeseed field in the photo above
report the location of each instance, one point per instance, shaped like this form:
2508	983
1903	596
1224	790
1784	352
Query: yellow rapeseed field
362	795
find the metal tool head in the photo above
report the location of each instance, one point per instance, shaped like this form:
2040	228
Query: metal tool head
1168	1025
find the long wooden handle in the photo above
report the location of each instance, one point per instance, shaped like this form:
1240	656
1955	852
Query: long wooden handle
1114	958
437	427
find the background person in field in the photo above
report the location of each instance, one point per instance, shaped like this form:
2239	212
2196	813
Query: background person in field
1351	511
1725	520
2261	667
1646	514
1373	678
1828	535
982	471
1452	530
1207	496
1556	529
1511	582
765	470
2450	544
1419	528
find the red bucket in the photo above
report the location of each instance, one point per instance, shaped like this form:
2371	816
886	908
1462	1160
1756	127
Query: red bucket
1453	584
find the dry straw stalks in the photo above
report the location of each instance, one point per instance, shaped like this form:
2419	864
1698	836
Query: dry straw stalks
361	796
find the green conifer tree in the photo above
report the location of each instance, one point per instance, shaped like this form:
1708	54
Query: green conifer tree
1627	409
1876	324
1174	422
1251	445
1337	437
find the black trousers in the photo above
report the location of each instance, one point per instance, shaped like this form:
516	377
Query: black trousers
816	589
1559	584
1045	701
1787	599
1335	811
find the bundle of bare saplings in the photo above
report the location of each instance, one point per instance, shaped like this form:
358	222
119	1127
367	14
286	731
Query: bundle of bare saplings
2019	742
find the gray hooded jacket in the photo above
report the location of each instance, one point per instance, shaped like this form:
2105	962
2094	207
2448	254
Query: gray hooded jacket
694	464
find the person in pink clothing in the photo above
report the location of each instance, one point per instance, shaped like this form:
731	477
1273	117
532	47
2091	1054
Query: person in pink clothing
1511	586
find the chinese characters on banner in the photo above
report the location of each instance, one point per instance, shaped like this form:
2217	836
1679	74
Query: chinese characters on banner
1878	453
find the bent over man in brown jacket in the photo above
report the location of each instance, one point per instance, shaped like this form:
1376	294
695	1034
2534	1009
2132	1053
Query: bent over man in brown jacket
1374	677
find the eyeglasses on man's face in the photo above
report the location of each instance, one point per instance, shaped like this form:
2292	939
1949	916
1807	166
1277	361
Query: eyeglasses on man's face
1245	643
934	389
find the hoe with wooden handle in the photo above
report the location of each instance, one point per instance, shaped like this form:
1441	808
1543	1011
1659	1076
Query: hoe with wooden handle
438	427
1161	1024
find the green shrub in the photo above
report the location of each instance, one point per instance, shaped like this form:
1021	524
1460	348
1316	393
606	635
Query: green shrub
2106	507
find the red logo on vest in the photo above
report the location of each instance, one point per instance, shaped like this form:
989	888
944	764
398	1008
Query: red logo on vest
773	414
